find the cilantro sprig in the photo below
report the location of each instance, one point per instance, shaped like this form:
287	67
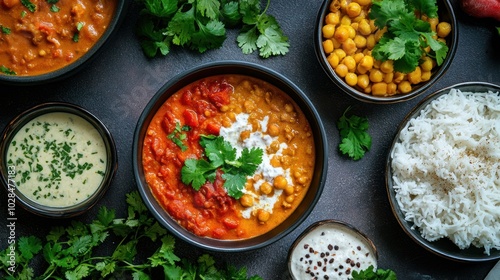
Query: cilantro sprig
75	252
355	138
221	155
7	70
407	36
371	274
201	26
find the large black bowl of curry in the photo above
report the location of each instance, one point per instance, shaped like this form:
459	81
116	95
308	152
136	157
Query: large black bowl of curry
43	42
246	105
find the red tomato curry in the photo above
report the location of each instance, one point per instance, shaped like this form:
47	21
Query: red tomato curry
220	105
37	37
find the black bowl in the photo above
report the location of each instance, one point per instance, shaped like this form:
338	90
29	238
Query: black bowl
446	13
248	69
442	247
7	169
77	65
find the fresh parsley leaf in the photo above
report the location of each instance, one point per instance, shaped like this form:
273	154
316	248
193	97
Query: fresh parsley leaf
7	70
221	155
29	5
371	274
407	36
355	138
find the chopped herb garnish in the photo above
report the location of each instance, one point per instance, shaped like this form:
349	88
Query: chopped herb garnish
76	36
5	30
178	135
6	70
29	5
221	155
54	9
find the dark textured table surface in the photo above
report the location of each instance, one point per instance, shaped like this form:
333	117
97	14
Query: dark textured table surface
118	84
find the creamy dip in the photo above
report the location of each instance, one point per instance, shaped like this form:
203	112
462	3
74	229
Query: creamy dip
331	251
60	159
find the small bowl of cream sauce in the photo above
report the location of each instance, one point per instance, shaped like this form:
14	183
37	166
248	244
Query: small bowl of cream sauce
57	160
330	249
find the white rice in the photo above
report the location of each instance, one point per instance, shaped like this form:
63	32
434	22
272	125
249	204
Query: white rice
446	170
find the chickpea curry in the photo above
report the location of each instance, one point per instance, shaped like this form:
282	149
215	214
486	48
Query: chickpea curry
350	36
41	36
249	115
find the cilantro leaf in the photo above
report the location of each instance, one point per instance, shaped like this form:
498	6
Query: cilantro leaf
208	36
231	14
29	5
221	155
162	8
29	246
407	36
7	70
371	274
353	132
247	39
209	8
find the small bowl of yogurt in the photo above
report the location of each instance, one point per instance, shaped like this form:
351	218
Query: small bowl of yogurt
330	249
57	160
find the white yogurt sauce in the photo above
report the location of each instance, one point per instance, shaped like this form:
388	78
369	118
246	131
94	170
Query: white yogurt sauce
60	159
257	139
331	251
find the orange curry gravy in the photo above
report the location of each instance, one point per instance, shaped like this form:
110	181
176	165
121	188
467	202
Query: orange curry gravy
214	106
39	37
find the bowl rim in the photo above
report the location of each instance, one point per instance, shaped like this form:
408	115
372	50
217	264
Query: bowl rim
24	117
450	251
320	223
361	96
80	63
212	69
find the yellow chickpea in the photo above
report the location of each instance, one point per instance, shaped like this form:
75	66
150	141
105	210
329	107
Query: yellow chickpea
349	46
361	70
426	75
351	79
360	41
370	41
332	18
328	46
273	129
263	216
366	62
388	77
443	29
266	188
340	53
358	57
289	190
376	76
333	59
328	30
364	27
392	88
246	200
353	9
399	77
290	198
345	20
415	76
404	87
341	70
352	31
427	64
341	33
363	81
350	63
280	182
379	89
433	22
387	66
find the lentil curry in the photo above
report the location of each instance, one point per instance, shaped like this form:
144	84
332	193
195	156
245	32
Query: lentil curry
245	111
40	36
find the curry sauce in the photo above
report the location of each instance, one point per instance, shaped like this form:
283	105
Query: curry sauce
40	36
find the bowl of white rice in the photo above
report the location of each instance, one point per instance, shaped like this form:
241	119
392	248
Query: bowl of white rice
443	172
